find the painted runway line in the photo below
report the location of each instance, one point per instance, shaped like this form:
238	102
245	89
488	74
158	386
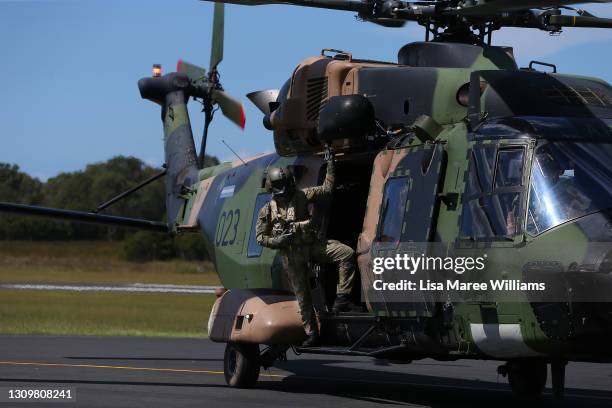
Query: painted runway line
130	288
115	367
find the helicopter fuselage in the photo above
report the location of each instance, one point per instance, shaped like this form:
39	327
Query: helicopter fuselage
452	175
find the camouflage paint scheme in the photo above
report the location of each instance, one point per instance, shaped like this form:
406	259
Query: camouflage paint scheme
222	205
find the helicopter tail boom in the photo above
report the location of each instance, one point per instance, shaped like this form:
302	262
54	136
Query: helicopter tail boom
180	152
171	92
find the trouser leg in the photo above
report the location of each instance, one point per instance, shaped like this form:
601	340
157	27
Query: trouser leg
297	274
336	252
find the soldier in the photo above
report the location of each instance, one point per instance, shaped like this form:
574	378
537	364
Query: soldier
285	224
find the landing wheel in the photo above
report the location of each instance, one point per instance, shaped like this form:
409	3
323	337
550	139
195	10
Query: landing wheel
241	365
527	378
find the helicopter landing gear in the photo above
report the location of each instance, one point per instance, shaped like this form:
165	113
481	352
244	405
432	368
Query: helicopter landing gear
557	372
241	364
527	378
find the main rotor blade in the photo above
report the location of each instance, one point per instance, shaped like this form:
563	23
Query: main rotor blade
216	51
580	21
348	5
231	108
493	7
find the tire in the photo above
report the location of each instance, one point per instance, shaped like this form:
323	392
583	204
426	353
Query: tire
527	378
241	365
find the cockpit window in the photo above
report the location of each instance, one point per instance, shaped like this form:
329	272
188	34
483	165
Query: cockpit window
493	198
509	171
568	181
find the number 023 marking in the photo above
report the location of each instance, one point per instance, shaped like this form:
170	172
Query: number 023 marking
227	229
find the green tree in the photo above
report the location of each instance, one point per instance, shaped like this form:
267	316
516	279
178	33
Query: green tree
191	247
18	187
99	182
84	190
145	246
210	161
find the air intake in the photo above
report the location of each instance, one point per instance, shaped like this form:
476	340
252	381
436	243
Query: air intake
316	96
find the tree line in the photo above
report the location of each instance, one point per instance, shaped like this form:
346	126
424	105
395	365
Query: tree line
85	190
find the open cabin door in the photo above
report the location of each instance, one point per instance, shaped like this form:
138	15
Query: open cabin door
400	218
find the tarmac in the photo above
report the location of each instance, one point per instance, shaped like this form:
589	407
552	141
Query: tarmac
169	372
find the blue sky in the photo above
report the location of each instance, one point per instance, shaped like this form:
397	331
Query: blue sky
69	69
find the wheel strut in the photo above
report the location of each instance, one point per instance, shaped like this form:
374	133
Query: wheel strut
557	373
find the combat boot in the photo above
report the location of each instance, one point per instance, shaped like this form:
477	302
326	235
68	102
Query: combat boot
343	303
312	340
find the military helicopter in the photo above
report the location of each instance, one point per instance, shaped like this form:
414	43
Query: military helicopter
451	150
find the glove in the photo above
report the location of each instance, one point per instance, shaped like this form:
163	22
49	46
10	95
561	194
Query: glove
329	153
281	241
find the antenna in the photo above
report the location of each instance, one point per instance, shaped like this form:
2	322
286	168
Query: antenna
232	150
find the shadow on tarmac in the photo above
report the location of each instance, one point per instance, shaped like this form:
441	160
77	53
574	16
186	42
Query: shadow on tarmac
318	377
383	387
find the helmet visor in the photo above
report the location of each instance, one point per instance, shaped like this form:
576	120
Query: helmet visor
279	186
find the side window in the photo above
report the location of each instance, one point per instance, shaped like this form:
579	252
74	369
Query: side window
492	203
254	249
392	209
509	169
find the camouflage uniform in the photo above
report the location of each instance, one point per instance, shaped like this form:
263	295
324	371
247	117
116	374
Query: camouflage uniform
290	213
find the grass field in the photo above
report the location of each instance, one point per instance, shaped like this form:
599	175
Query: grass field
72	313
92	262
108	314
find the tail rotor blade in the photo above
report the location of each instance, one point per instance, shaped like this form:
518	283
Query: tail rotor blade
194	72
216	53
231	108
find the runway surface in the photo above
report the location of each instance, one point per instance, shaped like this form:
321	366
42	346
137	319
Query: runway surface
161	372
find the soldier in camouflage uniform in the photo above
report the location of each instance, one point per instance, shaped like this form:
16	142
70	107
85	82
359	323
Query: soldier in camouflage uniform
285	224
